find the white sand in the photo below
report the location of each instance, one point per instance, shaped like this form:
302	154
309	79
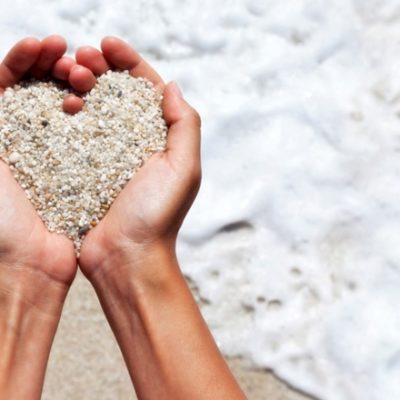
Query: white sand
73	167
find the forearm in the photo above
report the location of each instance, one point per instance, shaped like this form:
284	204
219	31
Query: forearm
30	309
166	344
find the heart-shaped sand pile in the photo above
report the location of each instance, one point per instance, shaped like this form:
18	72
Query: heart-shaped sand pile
73	167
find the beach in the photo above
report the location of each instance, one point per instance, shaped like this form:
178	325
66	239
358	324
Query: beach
292	247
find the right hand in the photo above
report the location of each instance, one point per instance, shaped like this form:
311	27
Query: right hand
149	211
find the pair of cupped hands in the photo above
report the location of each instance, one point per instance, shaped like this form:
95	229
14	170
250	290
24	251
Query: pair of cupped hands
148	212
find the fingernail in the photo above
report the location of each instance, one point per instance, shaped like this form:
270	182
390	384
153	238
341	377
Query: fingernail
177	91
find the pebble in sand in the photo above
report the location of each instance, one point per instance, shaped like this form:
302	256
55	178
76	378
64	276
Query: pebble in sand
73	167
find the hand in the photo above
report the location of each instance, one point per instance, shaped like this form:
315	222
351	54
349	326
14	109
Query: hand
24	240
36	266
150	210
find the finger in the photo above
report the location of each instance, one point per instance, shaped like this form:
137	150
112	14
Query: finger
92	59
18	61
73	104
62	68
120	55
81	78
53	48
184	126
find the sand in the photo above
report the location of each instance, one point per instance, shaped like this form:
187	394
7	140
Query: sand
73	167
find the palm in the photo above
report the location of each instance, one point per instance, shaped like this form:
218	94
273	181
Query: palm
152	204
24	239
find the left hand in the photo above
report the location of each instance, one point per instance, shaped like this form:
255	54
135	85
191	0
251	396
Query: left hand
24	240
36	267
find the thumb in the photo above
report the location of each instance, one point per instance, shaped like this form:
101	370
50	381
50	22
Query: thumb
184	125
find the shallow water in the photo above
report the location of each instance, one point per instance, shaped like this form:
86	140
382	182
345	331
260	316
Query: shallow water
293	243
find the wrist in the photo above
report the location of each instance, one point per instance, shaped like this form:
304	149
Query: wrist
33	289
141	261
145	273
30	309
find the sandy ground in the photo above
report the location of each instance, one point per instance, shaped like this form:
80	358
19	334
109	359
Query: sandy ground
86	364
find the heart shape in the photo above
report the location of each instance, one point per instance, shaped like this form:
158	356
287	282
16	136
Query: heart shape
72	167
